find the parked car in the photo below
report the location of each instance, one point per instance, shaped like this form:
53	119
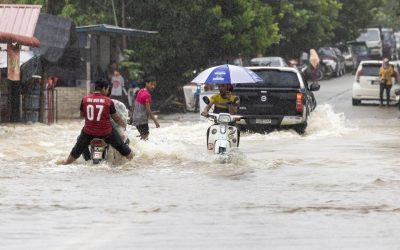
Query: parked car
372	37
333	58
268	61
366	81
348	57
360	52
389	44
282	99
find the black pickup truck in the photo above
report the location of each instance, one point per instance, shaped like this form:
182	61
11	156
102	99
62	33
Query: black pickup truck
283	99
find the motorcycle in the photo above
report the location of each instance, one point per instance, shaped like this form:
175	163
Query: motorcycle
98	150
222	136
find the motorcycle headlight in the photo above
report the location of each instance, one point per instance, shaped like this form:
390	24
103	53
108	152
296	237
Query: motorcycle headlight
224	118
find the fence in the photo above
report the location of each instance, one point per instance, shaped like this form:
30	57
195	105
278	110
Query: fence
30	106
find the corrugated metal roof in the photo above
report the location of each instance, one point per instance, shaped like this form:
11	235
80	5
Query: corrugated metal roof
19	19
18	23
111	29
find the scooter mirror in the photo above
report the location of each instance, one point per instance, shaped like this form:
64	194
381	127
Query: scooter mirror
206	100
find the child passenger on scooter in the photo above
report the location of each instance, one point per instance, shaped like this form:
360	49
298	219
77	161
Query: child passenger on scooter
224	102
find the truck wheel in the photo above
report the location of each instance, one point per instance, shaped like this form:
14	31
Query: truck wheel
356	102
300	128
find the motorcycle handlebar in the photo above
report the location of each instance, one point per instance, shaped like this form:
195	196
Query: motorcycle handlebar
215	116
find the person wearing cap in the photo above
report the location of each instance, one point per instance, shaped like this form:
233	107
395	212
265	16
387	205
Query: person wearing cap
386	73
97	109
142	110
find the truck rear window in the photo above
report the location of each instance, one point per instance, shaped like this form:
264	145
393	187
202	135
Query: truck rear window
276	79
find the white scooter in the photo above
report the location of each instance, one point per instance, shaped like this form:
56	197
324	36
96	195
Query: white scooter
222	136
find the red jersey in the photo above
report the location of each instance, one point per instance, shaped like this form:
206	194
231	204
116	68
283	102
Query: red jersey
96	109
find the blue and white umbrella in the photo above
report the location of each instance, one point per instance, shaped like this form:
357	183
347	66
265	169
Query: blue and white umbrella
226	74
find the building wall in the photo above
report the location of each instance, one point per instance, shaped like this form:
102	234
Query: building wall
69	100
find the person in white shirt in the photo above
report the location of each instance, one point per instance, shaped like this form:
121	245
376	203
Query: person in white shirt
118	87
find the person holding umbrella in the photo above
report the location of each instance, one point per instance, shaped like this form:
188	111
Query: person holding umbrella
224	76
224	102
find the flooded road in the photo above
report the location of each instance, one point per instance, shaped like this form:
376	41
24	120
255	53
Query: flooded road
336	187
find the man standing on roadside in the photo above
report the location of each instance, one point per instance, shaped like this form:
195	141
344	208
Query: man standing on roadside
142	111
386	73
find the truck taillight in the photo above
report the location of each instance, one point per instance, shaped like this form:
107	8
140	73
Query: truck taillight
299	102
358	74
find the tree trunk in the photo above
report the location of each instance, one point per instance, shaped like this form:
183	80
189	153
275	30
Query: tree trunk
51	7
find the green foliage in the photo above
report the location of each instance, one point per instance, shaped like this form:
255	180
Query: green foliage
354	15
130	64
304	24
196	34
387	14
88	12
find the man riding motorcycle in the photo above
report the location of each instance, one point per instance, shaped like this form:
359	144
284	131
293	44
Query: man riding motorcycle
122	112
224	102
97	108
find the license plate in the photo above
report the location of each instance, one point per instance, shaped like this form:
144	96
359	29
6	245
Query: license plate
97	155
263	121
375	82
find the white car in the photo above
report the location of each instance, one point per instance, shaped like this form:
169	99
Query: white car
373	38
366	82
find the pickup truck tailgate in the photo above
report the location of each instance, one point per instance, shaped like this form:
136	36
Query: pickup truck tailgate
277	102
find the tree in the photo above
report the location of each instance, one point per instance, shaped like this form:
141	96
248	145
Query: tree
195	34
387	14
354	15
304	24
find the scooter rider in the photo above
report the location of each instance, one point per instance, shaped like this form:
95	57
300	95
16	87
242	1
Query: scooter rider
224	102
97	108
121	131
